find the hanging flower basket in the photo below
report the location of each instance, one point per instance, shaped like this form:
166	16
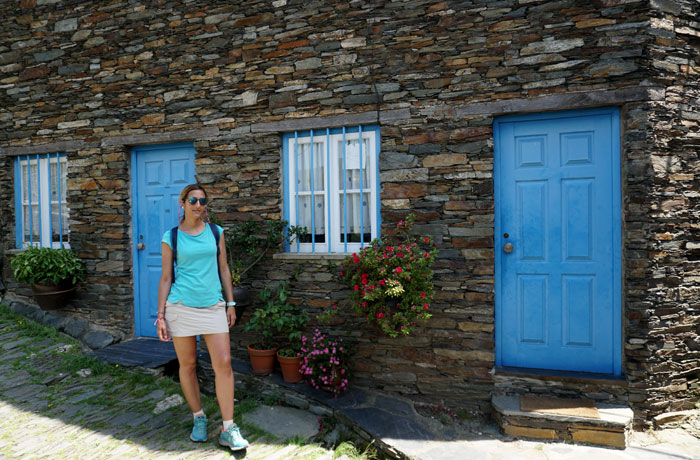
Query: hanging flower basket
391	280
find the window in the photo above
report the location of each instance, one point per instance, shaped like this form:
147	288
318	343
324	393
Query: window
40	200
332	189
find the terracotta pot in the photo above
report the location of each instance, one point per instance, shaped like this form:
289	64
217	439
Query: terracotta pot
290	368
52	297
262	361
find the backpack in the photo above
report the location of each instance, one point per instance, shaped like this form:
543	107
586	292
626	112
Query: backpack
173	240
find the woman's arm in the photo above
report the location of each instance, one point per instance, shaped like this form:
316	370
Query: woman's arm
166	280
226	285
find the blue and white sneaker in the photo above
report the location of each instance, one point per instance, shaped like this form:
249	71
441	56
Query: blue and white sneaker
232	438
199	430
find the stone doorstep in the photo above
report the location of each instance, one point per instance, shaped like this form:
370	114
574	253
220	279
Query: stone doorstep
610	430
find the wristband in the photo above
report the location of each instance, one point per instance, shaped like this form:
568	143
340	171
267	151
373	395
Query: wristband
230	304
158	320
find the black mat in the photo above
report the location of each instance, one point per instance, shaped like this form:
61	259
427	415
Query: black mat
144	352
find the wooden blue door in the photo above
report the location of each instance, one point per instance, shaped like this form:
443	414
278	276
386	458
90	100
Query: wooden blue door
557	242
159	173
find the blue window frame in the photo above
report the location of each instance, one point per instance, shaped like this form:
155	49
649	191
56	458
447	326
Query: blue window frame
332	188
41	217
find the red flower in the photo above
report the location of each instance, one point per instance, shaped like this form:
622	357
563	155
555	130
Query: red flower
427	240
422	294
398	270
425	305
357	287
380	315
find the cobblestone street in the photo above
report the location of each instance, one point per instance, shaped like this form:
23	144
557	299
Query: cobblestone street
57	404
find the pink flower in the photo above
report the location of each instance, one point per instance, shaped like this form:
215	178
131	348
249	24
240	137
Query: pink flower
427	240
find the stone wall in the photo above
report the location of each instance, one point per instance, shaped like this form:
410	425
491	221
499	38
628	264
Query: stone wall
97	77
667	300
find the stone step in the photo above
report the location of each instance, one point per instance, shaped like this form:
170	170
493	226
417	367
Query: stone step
611	429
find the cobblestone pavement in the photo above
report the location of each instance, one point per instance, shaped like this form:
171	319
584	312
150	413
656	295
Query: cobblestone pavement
50	408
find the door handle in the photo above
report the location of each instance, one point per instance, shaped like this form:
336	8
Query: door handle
141	246
508	248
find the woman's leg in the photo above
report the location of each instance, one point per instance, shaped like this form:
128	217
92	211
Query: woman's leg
219	348
186	350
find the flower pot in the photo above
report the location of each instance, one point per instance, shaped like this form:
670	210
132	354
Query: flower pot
290	368
262	361
242	297
52	297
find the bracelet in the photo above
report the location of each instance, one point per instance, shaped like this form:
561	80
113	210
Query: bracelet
161	315
158	320
230	304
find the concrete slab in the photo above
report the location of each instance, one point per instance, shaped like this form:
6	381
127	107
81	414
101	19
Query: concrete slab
284	422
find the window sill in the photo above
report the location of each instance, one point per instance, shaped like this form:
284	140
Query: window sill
313	256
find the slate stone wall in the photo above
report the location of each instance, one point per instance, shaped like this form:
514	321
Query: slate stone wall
97	77
667	285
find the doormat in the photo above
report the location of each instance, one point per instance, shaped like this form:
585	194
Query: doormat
560	406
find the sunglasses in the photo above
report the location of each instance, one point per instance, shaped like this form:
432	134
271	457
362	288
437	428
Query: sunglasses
193	200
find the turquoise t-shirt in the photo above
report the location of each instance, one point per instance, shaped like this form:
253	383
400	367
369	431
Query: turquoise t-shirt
197	281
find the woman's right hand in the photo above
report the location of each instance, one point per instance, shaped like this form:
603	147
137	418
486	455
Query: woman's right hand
162	330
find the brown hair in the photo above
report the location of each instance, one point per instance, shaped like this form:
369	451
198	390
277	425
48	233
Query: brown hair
183	196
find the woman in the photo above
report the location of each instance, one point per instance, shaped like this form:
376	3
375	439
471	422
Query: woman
192	304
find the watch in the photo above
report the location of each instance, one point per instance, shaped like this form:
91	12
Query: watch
230	304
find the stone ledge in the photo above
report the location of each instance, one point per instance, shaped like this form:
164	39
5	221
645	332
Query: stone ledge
610	430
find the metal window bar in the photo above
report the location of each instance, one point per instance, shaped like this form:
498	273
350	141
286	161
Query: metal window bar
48	181
58	183
29	200
296	178
362	195
345	199
313	197
329	239
38	194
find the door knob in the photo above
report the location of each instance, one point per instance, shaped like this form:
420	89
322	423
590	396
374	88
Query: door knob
508	248
141	246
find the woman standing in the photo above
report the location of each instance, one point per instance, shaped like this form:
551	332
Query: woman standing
192	304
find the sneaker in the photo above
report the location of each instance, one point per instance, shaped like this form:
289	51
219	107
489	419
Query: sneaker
199	431
233	439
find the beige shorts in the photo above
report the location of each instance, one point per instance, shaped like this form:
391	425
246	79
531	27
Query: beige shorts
184	321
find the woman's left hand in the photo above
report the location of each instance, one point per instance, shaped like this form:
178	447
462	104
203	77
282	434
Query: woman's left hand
231	316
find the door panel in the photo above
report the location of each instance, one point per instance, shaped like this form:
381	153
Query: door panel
558	303
159	173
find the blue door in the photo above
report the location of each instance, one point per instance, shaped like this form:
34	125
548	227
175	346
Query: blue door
557	187
158	175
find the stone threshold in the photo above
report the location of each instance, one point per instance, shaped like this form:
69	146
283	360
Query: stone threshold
610	430
559	376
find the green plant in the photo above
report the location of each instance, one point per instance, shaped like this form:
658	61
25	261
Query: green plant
350	450
391	279
47	266
277	317
324	362
248	242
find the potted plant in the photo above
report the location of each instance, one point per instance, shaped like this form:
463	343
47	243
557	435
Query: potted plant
275	317
391	280
324	362
248	242
53	274
289	357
